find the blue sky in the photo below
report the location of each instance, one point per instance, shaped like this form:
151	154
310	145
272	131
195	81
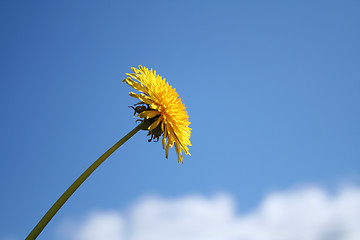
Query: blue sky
271	88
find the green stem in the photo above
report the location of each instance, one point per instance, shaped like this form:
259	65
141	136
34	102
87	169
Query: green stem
60	202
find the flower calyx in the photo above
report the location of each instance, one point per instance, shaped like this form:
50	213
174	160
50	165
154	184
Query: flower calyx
154	133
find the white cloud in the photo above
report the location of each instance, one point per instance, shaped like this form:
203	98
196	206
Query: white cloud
302	214
107	225
101	225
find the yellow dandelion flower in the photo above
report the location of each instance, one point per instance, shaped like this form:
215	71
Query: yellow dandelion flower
161	106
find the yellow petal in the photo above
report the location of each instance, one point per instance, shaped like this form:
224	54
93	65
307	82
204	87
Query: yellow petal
145	99
135	85
165	135
148	114
155	124
179	153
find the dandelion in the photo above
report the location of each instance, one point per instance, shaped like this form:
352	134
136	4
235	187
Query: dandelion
162	113
161	106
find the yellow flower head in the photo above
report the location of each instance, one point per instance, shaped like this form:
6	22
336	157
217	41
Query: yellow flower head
162	107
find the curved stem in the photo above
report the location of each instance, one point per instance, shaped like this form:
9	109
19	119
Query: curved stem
66	195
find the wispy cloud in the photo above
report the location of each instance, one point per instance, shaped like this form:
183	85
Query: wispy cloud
303	214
